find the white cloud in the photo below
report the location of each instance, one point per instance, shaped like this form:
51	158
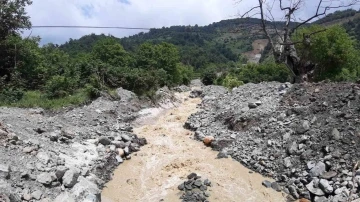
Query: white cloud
135	13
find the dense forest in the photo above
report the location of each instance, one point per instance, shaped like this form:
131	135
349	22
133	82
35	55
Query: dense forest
80	70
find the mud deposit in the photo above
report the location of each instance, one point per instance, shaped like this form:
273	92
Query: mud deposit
154	173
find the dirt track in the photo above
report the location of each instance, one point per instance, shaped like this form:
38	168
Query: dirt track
171	154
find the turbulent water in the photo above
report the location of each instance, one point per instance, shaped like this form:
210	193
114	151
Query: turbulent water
171	154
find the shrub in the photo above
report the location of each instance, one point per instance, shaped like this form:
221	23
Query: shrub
231	82
11	95
91	91
209	77
58	86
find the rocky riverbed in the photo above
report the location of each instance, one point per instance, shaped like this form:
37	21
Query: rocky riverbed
69	155
305	136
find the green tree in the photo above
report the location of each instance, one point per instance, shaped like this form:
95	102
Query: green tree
146	56
332	51
110	51
13	18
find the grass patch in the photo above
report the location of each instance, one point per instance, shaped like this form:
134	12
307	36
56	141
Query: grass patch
33	99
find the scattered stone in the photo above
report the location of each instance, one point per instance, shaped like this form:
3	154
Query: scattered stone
208	139
181	187
121	152
119	159
252	105
287	162
328	175
104	141
125	138
276	186
266	184
293	192
28	149
192	175
335	134
68	134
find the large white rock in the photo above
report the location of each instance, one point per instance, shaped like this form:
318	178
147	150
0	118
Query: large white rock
70	177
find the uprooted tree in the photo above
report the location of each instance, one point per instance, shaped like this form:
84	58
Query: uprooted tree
282	45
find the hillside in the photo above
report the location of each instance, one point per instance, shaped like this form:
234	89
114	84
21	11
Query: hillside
219	43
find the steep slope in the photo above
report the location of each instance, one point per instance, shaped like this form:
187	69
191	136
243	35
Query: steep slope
217	43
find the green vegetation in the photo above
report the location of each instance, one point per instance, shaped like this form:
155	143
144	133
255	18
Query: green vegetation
337	15
332	51
53	76
50	77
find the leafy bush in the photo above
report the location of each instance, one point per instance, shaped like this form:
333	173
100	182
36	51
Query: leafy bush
91	91
268	71
209	77
58	86
11	95
231	82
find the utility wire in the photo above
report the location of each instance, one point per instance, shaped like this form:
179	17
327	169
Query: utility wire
91	27
138	28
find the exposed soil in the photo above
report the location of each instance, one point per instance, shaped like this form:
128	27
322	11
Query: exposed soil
154	173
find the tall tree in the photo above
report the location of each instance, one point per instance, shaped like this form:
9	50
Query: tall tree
13	19
281	43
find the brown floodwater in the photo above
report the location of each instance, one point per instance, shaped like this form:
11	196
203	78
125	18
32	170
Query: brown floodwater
153	174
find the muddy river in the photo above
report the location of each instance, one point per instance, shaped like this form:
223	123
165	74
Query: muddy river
153	174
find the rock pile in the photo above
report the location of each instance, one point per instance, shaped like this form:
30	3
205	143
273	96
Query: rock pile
194	189
305	136
65	156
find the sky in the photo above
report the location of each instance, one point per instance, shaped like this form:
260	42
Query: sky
130	13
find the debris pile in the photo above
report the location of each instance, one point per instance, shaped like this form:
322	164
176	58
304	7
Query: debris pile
194	189
305	136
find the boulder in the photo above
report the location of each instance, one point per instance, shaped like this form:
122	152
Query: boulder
303	127
65	197
318	169
43	157
104	141
4	171
60	171
37	194
313	188
335	134
287	162
325	186
70	177
45	178
86	190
